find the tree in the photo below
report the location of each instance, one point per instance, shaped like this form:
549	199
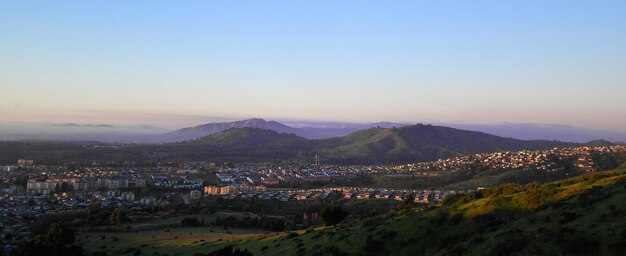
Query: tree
117	217
59	235
57	241
190	222
65	187
533	196
230	251
31	201
333	215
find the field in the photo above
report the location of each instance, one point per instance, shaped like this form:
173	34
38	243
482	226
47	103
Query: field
166	237
178	241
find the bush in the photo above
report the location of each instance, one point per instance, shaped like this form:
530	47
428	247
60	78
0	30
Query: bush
230	251
333	215
515	241
502	190
291	235
190	222
534	196
372	245
578	243
334	251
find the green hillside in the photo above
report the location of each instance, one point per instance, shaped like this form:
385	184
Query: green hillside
241	144
598	143
375	145
421	143
252	138
577	216
192	133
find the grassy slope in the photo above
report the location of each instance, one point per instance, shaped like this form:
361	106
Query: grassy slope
180	241
420	143
582	215
240	144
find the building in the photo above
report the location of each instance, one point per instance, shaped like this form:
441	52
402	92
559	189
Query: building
254	180
215	190
46	187
195	194
139	182
128	196
148	200
224	178
40	187
9	168
25	162
185	171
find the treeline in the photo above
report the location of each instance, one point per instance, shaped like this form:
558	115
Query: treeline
228	251
263	222
57	241
245	222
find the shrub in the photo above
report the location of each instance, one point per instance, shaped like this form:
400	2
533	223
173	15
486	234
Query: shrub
333	215
190	222
291	235
230	251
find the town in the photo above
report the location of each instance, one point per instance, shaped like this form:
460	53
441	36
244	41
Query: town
31	188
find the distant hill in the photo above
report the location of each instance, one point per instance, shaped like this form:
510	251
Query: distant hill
422	143
541	131
599	143
371	146
312	131
239	145
196	132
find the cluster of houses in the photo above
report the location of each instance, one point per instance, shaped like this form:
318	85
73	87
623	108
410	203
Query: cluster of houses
52	185
180	184
334	193
545	160
264	175
232	189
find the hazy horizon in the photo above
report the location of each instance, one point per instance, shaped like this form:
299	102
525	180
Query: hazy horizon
142	133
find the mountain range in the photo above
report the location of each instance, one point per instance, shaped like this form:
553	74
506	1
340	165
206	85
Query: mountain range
256	140
306	129
541	131
374	145
309	132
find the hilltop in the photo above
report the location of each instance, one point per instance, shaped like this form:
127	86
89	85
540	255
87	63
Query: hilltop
192	133
240	144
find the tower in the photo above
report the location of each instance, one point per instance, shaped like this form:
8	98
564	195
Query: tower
317	160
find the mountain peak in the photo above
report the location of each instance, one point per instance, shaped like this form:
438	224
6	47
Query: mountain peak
255	120
600	142
195	132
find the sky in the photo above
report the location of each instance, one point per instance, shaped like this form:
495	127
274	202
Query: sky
173	63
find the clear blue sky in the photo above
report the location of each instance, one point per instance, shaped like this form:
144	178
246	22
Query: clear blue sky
449	61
